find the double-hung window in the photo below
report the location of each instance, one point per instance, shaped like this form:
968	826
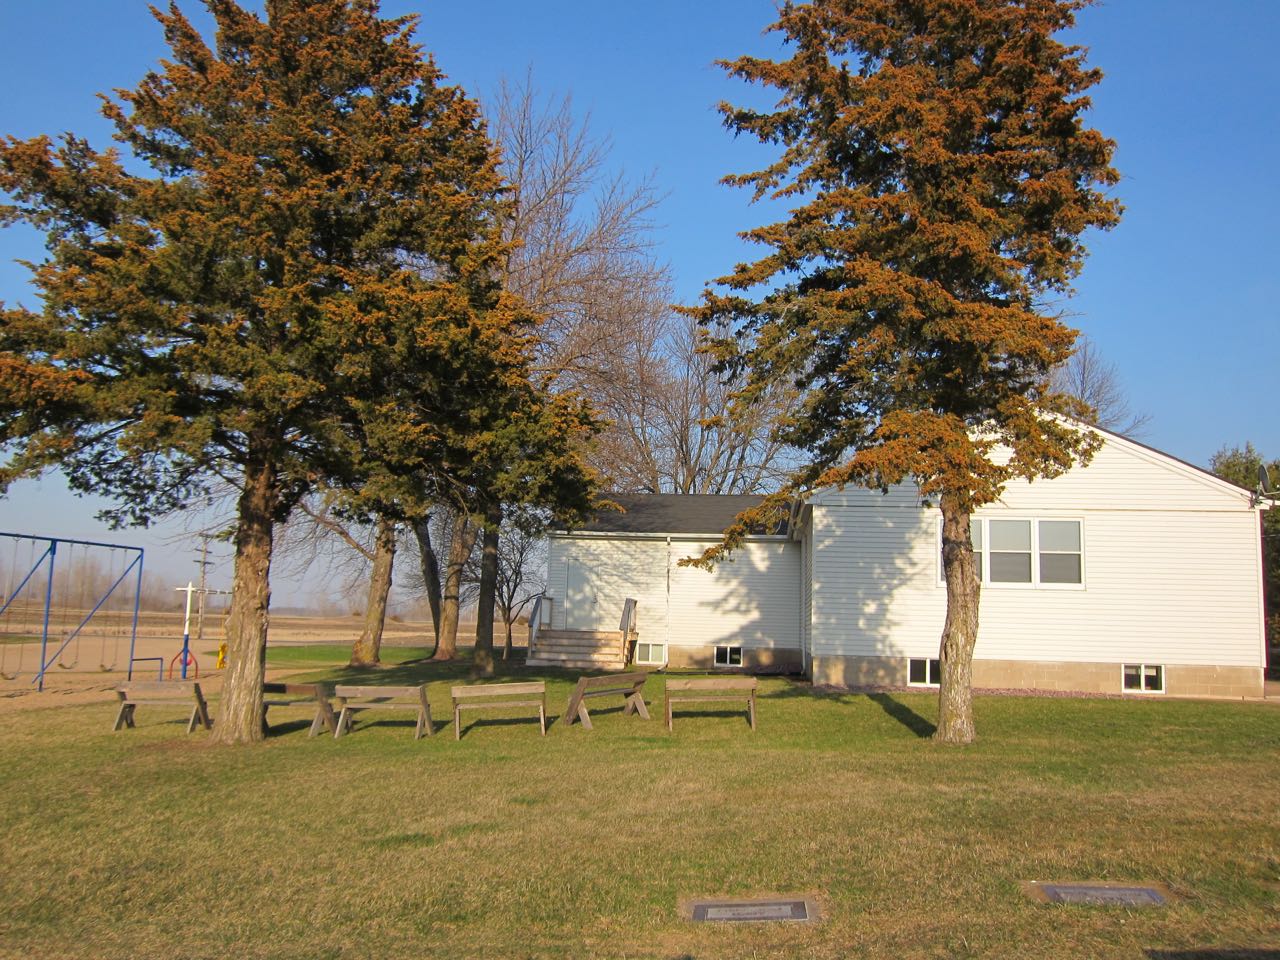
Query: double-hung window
1031	552
1010	551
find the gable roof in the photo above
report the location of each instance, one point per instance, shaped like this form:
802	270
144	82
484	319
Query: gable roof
1177	463
672	513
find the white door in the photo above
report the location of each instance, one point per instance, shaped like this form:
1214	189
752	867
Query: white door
580	597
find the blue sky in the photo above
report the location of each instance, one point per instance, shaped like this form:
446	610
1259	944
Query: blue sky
1184	296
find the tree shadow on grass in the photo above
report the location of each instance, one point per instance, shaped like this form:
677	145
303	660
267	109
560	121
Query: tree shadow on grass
283	728
797	689
917	724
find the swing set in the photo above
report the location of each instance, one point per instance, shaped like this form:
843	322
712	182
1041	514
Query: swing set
60	592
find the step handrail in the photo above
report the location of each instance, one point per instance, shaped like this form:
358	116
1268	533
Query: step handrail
535	623
627	625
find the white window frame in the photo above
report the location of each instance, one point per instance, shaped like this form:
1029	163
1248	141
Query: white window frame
984	574
1142	669
728	649
651	646
928	662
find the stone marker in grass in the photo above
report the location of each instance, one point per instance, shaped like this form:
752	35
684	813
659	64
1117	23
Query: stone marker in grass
1098	893
787	908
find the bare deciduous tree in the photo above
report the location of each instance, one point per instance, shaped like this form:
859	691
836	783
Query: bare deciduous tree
359	551
521	577
582	254
674	426
1088	377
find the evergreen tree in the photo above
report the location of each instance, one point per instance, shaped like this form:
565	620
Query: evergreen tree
320	216
942	177
1241	466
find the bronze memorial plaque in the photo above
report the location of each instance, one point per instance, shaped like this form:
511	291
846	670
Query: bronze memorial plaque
794	909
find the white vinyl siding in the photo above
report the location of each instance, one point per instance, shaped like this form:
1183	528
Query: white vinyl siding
752	601
1171	571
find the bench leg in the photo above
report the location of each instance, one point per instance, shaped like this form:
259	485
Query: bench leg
324	718
457	724
751	711
125	717
195	718
668	710
344	723
422	722
635	704
542	717
317	722
583	716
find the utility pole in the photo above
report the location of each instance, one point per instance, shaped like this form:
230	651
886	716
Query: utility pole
204	563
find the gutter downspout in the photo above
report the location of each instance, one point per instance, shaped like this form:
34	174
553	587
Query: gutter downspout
666	646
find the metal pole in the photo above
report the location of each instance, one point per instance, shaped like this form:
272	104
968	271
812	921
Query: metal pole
52	553
190	588
204	569
137	602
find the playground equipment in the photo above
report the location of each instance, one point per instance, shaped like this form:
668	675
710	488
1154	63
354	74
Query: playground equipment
60	592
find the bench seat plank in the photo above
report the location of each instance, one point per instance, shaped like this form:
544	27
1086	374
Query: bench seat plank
712	690
627	685
300	695
356	698
162	693
495	696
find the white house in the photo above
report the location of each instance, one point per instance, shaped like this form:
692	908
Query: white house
1137	573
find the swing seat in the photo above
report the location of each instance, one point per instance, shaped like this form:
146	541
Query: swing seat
162	693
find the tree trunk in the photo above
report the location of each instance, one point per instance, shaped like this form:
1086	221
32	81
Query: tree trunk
430	564
240	712
483	658
960	632
461	542
366	651
506	647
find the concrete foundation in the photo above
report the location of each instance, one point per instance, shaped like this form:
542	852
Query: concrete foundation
1179	679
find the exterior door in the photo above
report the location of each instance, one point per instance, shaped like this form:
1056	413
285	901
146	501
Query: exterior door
580	597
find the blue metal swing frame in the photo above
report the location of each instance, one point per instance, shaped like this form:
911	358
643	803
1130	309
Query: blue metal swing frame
50	556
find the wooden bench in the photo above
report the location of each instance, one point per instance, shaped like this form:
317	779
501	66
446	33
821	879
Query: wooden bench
353	699
165	693
301	694
627	685
713	690
493	696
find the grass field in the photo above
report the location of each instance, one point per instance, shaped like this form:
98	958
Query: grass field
149	843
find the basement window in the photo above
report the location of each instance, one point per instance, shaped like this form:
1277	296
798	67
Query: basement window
651	653
924	673
728	656
1143	678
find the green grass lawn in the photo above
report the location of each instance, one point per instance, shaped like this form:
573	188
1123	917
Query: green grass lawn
149	843
315	655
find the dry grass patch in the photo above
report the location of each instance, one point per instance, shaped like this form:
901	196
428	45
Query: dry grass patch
152	844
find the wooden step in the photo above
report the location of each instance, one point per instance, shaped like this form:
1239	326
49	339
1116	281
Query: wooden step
594	635
602	656
577	664
578	649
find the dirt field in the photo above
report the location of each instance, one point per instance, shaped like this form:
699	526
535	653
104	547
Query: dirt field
95	663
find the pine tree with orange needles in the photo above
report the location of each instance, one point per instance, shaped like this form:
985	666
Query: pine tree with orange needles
302	290
943	176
